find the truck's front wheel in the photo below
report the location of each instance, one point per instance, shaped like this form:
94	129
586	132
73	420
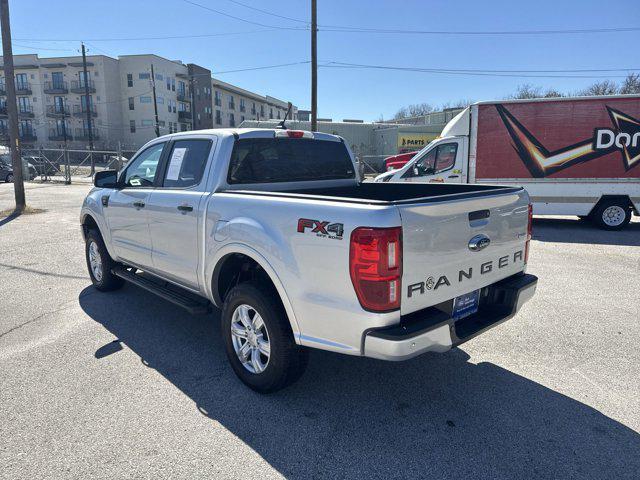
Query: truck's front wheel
100	263
258	339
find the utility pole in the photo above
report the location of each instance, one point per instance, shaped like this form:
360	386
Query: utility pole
12	107
314	66
155	104
88	104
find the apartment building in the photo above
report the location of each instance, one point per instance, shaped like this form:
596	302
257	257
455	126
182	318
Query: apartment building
53	105
119	109
233	105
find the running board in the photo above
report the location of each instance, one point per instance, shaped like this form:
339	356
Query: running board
184	299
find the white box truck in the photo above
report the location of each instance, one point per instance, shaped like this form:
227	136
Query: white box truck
575	156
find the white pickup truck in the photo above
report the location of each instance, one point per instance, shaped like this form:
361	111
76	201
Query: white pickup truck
273	227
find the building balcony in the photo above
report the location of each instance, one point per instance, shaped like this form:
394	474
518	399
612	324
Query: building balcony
78	86
232	106
25	111
55	111
28	136
183	97
184	116
82	134
59	135
59	87
81	110
23	88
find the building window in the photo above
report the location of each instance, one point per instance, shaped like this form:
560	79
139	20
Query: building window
243	108
159	76
145	99
57	80
242	119
146	123
129	80
262	111
173	84
218	117
160	100
218	99
232	120
25	127
132	126
253	108
232	102
131	104
278	114
182	89
24	106
144	76
270	113
21	81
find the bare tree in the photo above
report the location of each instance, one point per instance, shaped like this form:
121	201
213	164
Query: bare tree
414	110
605	87
462	103
631	84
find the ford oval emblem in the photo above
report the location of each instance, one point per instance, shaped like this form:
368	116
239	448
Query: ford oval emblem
479	242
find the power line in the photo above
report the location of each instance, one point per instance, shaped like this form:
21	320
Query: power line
338	28
488	73
269	13
240	18
262	67
134	39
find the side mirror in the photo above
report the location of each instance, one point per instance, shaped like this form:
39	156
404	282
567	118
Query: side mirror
106	179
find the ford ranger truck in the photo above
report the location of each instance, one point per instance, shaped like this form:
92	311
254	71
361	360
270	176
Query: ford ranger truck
274	228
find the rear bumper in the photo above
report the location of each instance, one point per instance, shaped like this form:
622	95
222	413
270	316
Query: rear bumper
433	329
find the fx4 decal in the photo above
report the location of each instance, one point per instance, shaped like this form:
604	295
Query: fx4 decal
321	228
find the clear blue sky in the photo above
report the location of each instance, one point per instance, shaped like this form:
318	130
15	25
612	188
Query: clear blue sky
349	93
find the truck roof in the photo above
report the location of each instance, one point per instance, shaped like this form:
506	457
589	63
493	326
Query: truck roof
555	99
249	132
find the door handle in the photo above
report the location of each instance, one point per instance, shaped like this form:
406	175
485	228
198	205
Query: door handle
185	208
138	204
454	176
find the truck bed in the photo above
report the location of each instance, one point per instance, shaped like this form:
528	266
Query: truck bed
387	193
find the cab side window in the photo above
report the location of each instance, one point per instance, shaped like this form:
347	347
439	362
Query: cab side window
446	157
423	166
186	163
142	170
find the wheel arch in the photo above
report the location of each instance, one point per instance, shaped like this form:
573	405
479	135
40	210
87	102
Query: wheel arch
229	260
608	198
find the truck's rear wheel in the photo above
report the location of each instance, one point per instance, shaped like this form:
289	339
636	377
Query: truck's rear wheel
258	339
100	263
612	215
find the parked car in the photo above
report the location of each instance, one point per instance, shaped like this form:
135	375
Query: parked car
274	227
40	166
575	156
395	162
6	168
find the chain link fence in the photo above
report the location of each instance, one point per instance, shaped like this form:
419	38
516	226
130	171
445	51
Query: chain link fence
67	165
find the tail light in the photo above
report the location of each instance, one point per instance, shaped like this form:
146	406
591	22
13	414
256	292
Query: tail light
375	265
529	232
293	134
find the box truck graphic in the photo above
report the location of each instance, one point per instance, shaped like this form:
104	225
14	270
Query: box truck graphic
624	137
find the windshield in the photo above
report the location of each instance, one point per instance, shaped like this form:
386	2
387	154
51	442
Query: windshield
268	160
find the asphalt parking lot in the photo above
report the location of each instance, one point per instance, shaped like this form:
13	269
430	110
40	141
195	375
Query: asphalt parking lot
123	384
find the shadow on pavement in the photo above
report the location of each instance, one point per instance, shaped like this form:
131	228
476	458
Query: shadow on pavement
563	230
433	416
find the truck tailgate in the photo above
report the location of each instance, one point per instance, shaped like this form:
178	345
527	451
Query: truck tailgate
439	260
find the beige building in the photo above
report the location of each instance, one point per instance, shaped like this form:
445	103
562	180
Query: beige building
54	109
233	105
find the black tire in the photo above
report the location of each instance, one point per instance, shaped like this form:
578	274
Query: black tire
9	178
107	281
612	214
287	361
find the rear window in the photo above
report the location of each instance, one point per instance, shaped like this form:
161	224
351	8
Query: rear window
265	160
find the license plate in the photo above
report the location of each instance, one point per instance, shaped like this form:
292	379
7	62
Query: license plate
465	305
